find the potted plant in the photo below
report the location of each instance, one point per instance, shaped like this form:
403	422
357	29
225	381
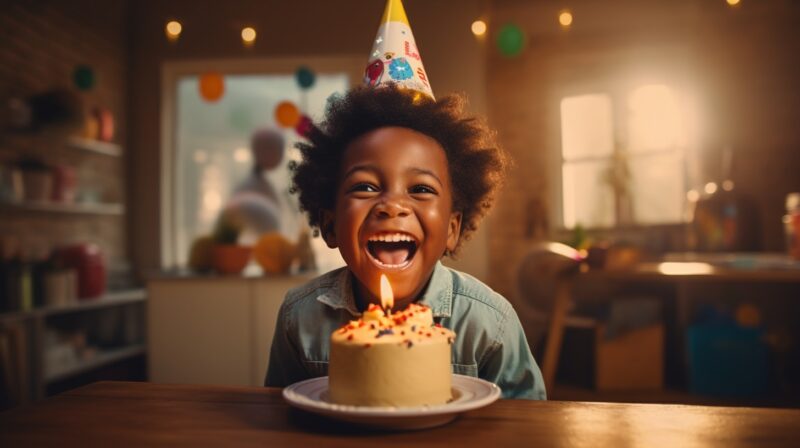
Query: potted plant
229	257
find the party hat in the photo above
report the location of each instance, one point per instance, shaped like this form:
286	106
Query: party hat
395	58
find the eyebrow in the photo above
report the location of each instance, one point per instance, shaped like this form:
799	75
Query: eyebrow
357	168
426	172
373	169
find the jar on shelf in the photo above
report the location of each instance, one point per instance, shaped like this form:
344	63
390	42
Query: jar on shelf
791	224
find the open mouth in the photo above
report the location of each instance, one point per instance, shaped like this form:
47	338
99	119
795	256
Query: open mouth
392	250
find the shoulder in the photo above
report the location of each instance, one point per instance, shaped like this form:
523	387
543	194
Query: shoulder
311	290
473	293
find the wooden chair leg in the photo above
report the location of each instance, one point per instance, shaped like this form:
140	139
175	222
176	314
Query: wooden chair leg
555	331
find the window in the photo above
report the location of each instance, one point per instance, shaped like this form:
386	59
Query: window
622	159
207	144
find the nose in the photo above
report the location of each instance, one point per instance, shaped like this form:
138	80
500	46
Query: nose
392	206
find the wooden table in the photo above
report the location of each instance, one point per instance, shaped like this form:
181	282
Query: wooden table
116	414
684	275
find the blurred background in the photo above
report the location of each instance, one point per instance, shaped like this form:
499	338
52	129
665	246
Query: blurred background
647	235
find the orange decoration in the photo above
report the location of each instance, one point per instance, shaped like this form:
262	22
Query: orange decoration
274	253
286	114
212	86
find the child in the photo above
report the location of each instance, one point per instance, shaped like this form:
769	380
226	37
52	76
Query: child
396	180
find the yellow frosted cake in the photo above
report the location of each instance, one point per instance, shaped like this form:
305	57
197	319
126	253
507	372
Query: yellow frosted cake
402	359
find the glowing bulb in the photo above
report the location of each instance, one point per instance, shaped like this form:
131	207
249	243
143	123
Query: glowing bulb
173	30
692	195
727	185
248	35
733	2
565	18
711	188
479	27
387	296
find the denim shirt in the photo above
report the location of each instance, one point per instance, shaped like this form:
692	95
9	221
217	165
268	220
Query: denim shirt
490	343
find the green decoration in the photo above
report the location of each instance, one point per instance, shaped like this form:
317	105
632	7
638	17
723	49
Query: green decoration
305	77
511	40
83	77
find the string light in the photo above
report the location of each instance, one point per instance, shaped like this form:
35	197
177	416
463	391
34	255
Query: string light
173	30
248	36
565	18
733	2
479	27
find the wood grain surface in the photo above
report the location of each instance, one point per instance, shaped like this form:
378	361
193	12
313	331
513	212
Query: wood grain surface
118	414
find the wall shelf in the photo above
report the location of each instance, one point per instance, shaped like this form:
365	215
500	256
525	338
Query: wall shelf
110	209
95	146
108	300
35	323
102	358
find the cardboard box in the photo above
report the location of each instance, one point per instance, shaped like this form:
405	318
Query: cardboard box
633	360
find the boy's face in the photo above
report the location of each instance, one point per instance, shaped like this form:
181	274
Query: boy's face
394	211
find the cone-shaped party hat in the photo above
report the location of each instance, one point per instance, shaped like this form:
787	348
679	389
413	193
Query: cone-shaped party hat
395	58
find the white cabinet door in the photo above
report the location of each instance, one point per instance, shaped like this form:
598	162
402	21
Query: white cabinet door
214	330
199	332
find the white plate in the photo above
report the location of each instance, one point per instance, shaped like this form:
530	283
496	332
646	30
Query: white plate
469	393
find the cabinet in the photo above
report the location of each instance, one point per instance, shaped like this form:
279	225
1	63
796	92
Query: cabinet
213	330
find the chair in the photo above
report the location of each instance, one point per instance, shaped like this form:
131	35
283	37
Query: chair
545	280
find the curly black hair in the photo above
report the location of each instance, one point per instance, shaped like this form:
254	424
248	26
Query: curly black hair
476	162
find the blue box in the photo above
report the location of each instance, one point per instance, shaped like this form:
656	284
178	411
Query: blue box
726	360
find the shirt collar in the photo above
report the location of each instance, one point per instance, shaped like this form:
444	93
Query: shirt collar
438	295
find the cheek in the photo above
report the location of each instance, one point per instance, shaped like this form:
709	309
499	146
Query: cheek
350	217
436	222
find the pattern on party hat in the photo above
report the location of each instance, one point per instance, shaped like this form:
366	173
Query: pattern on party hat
395	58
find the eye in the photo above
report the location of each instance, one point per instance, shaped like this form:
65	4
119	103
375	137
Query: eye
363	187
422	189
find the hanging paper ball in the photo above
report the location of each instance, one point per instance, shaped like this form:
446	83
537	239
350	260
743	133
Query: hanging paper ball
305	77
511	40
212	86
303	126
286	114
83	77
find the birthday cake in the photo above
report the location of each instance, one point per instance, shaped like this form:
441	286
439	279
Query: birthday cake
400	359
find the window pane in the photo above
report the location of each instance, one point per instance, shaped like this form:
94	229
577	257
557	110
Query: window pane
586	126
588	198
213	150
655	119
658	188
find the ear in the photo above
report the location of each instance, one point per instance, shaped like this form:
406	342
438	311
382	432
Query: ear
453	231
326	227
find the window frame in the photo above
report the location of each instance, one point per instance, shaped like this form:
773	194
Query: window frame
171	73
618	93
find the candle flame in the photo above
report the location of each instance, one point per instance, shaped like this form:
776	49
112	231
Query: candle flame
387	297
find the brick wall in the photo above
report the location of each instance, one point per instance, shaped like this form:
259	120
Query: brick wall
42	42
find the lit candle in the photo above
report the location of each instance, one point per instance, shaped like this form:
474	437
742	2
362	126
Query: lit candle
387	297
